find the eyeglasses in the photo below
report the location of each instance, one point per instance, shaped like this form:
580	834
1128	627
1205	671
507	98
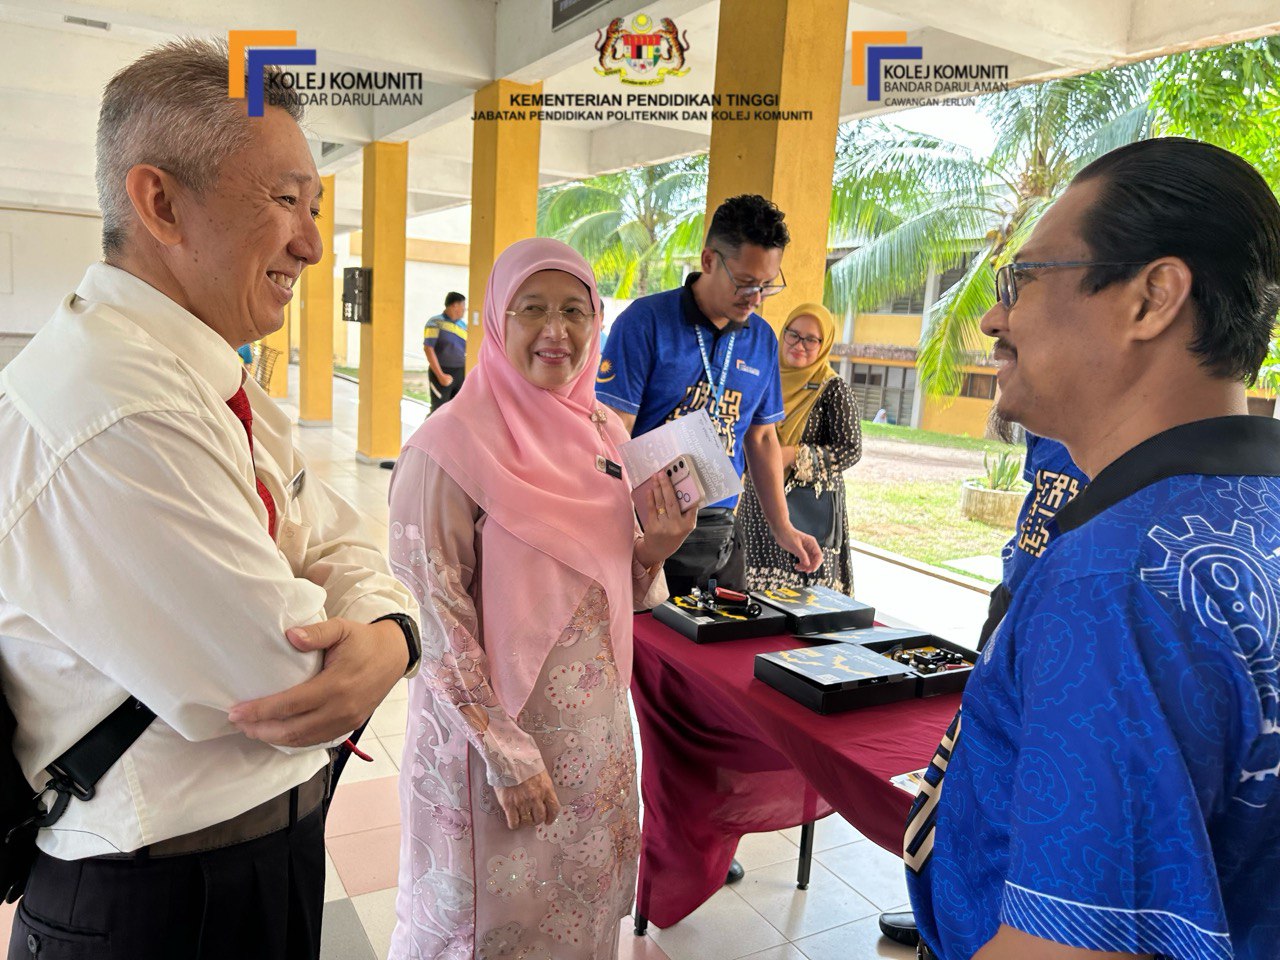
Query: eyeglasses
795	339
750	290
536	316
1007	279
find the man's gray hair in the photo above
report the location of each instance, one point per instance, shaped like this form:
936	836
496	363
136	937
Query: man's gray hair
170	109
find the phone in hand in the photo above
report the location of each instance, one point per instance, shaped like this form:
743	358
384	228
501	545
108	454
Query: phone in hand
684	477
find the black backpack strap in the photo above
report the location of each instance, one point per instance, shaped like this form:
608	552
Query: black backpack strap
77	772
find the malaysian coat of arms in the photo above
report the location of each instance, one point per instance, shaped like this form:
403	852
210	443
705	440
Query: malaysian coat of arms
644	55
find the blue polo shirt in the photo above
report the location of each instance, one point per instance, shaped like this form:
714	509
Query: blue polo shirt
651	367
1112	781
449	338
1055	481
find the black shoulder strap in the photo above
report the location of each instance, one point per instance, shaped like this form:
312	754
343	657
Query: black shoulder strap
78	771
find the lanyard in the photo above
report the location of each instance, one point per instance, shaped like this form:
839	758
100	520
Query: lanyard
717	389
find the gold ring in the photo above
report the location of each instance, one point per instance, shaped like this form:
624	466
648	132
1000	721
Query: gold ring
662	511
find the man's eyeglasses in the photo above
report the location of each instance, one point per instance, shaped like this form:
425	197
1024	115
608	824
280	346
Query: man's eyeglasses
1007	276
796	339
750	290
536	316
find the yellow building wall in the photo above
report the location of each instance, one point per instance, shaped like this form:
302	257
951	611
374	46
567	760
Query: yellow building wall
896	329
961	416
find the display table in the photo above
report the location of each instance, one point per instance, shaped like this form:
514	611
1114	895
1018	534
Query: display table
725	755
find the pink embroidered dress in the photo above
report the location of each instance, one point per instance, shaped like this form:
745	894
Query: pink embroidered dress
519	545
469	886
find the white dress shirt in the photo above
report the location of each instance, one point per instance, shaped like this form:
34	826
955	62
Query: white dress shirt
135	559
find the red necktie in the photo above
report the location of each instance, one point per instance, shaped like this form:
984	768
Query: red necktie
239	404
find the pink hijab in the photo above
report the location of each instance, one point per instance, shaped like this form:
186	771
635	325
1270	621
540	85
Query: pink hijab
527	456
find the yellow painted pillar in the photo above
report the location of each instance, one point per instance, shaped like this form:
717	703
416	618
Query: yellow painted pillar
386	190
794	49
278	385
339	325
315	338
504	193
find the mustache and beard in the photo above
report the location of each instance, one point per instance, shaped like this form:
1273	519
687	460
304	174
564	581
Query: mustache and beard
1001	428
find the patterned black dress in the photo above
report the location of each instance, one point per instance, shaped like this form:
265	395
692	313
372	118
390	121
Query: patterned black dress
830	445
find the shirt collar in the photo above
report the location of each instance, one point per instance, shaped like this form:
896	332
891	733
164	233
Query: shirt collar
1235	446
174	328
694	316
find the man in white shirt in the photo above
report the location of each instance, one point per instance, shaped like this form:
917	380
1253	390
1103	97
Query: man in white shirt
159	538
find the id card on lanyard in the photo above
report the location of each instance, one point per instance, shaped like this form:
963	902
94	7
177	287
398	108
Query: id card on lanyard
717	387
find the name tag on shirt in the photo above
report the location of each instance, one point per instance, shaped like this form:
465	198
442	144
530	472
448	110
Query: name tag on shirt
605	465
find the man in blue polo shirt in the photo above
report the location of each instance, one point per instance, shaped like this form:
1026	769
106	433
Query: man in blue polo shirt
702	346
444	341
1111	786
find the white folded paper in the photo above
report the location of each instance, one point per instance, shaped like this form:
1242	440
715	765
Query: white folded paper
694	436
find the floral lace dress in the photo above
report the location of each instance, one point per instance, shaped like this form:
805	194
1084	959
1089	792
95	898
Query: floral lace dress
830	445
469	885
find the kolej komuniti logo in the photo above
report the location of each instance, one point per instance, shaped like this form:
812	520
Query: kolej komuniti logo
881	63
252	51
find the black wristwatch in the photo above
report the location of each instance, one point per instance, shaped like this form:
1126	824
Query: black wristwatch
411	638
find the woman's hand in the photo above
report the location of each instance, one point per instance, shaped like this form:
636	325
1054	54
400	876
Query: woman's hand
665	527
788	457
529	803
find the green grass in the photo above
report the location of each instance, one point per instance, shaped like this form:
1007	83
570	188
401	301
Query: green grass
921	520
409	391
888	431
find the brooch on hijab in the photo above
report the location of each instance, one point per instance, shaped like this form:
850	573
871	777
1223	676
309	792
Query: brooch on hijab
604	464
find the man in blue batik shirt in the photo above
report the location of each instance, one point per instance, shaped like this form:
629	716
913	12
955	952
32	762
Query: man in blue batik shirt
1055	481
1111	787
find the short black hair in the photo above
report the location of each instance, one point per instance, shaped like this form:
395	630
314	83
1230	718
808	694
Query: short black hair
747	218
453	297
1175	197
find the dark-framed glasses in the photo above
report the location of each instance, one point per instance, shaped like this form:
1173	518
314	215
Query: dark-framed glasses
796	339
1007	276
750	290
536	315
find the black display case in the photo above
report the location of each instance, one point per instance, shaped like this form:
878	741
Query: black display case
832	677
931	684
701	625
817	609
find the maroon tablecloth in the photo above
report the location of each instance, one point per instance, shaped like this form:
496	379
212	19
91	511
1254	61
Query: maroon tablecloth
725	754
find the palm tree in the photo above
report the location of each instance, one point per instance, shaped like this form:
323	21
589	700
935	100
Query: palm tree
1228	96
635	227
910	203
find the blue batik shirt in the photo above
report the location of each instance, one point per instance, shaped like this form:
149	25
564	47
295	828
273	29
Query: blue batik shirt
1112	781
651	367
1055	481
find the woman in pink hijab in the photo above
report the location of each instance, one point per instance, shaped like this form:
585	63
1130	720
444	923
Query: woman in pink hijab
512	523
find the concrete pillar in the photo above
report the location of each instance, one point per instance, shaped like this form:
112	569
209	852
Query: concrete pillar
795	49
504	193
386	191
278	385
930	298
339	325
315	339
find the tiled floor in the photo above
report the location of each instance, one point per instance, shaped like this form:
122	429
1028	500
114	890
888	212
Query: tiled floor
764	917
